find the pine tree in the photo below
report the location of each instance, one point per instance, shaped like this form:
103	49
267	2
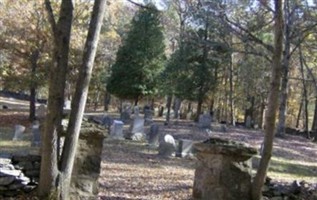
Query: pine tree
141	57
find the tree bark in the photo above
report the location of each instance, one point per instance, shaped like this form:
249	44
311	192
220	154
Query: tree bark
107	99
280	130
33	86
80	97
58	70
304	92
272	103
168	105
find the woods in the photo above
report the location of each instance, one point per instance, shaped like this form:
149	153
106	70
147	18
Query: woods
249	63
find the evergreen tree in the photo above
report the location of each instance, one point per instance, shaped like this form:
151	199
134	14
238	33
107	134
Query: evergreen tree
141	57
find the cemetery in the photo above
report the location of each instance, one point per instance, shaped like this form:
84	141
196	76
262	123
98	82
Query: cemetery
158	100
162	162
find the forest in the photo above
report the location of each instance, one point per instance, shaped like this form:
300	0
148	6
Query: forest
247	63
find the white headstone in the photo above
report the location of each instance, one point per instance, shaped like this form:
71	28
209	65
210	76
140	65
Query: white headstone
36	140
138	125
67	105
117	129
18	131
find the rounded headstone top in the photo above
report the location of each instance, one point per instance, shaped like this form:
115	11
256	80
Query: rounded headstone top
225	147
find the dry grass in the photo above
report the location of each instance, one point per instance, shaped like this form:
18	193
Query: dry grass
132	171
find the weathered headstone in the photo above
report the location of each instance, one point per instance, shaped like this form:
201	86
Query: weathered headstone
41	111
204	121
167	146
189	115
117	129
125	115
153	138
248	122
136	111
223	170
138	125
136	128
148	116
185	148
36	140
67	105
107	121
18	131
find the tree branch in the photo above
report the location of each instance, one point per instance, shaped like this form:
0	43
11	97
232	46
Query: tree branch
249	35
51	18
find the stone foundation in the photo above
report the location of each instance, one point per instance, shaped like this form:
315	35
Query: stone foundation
19	174
223	170
86	170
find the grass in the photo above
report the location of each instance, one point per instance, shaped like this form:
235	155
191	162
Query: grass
285	170
22	146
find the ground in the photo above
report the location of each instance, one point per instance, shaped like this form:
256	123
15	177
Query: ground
131	170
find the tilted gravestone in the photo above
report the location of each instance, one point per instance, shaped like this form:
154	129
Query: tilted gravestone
167	146
18	132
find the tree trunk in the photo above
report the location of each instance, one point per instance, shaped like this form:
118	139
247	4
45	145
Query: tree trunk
80	97
304	91
232	114
58	70
280	130
107	100
272	103
299	112
34	58
168	105
32	114
199	106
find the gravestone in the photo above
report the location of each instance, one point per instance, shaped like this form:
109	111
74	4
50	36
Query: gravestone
153	137
223	170
125	115
185	148
167	146
18	131
148	116
204	121
36	140
248	122
106	121
67	105
137	128
189	115
117	129
41	111
136	111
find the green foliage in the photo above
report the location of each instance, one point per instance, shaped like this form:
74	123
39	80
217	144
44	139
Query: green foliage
190	72
141	57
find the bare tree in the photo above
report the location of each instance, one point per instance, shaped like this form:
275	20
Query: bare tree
272	102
